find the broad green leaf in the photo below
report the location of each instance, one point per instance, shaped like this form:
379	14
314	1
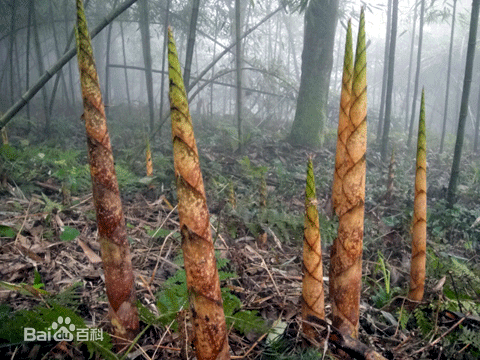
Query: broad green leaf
69	234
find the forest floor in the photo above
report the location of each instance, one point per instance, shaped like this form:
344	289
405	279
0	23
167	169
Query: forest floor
49	257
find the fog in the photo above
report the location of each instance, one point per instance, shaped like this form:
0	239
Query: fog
33	38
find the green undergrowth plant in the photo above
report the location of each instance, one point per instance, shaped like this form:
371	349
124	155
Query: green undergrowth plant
461	343
456	223
383	294
328	229
284	347
39	163
462	285
287	227
460	295
27	164
173	297
256	209
403	317
41	318
46	319
400	220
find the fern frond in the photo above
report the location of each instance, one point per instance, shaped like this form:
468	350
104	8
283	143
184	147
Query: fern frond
424	323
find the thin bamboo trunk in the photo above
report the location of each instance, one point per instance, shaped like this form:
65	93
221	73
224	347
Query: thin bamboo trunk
147	58
390	179
41	70
27	57
213	67
457	155
191	42
10	50
410	66
391	72
385	72
69	39
107	63
238	65
417	73
18	86
127	86
477	125
449	68
60	73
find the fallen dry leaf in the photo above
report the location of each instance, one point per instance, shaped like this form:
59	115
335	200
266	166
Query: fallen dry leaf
91	255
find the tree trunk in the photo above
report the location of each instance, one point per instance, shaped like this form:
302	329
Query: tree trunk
391	72
410	65
385	72
191	42
417	74
472	38
147	58
317	62
449	68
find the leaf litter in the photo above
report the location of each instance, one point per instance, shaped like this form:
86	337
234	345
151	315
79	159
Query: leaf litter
263	250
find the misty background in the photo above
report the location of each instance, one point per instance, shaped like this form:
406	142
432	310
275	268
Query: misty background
271	61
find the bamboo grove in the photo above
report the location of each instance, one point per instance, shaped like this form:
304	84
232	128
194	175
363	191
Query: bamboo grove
207	314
